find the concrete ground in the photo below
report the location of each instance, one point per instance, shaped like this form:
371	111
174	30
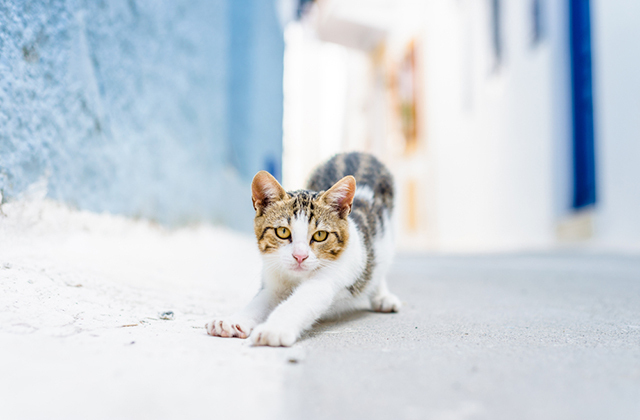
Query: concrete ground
83	332
550	336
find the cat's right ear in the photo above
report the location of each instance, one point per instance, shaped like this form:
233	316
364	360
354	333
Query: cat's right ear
265	189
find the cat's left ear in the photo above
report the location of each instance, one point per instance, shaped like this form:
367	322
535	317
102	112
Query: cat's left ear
340	196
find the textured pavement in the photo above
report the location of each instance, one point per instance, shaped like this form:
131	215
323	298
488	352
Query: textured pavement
549	336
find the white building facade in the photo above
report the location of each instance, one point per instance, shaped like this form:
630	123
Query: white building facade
471	103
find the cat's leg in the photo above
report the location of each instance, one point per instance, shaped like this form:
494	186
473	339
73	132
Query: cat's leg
305	306
383	300
243	322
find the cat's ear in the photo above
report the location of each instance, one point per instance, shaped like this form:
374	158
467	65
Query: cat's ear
340	196
265	189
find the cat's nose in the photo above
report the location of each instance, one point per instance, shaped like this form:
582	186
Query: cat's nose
300	257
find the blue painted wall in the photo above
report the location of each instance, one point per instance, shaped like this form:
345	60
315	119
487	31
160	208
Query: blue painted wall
160	109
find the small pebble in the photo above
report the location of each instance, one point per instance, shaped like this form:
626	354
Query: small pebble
7	265
293	360
166	315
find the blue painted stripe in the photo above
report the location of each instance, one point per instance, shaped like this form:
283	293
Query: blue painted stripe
584	162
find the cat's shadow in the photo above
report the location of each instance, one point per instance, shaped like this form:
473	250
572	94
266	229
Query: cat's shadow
333	325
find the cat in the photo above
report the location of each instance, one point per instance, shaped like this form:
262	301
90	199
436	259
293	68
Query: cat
325	250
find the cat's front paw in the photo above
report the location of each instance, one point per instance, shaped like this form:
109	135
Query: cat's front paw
273	335
230	327
386	303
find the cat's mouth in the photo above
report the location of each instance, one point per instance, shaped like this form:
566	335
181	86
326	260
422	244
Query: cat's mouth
301	268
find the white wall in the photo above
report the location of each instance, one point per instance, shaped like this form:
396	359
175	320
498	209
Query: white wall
315	91
616	32
490	131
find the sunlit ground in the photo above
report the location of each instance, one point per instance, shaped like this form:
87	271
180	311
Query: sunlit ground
103	317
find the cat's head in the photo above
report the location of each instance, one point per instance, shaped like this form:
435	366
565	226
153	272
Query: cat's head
301	231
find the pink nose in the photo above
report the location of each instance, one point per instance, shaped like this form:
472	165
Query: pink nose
300	257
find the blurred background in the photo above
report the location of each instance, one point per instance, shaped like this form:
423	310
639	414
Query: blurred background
509	124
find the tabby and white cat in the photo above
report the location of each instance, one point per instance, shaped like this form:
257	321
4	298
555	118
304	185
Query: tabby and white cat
325	250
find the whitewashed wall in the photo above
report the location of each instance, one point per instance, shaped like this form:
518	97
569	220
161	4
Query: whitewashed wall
490	129
616	32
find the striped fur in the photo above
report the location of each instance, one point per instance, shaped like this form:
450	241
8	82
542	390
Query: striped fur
369	215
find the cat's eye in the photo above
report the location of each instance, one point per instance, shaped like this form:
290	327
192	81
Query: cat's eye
283	232
320	235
